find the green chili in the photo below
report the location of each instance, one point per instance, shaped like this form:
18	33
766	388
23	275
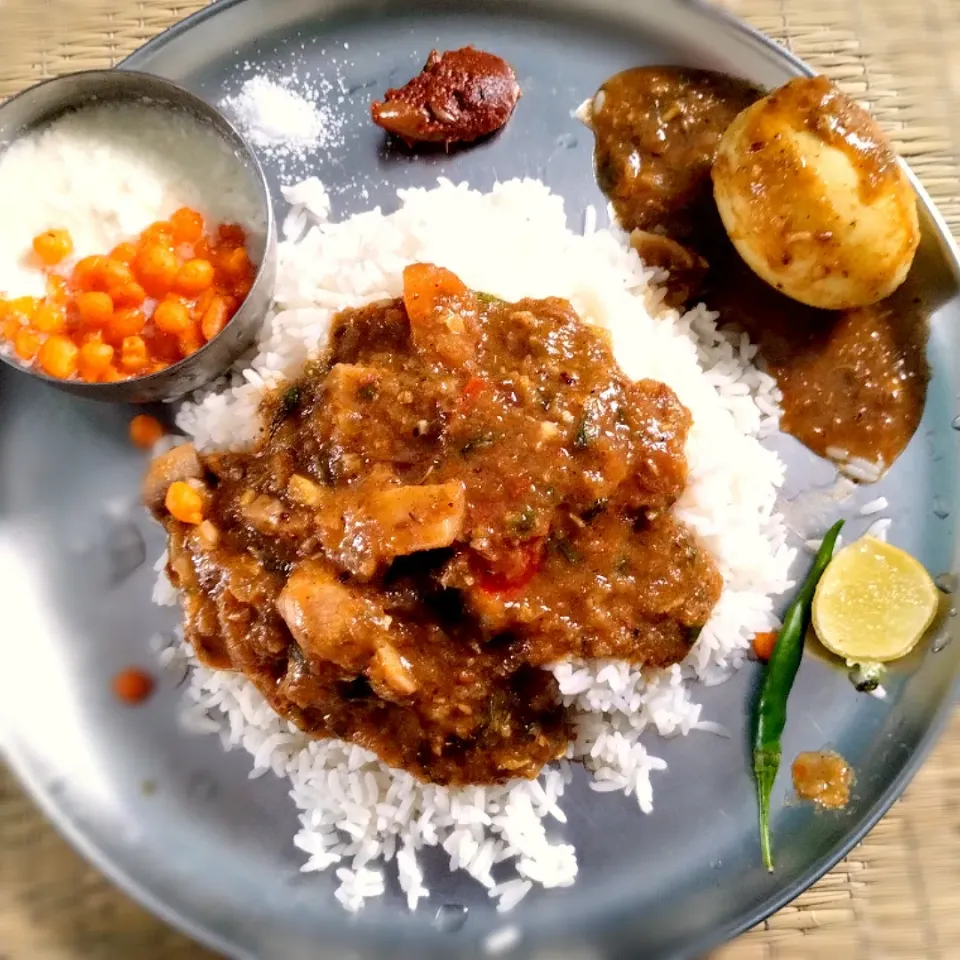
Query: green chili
770	715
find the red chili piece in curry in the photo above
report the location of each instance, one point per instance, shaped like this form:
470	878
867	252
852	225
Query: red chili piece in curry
463	492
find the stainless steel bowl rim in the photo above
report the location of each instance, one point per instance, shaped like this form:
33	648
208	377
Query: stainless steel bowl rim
265	266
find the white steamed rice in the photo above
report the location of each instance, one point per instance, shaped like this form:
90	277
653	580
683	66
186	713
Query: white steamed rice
356	814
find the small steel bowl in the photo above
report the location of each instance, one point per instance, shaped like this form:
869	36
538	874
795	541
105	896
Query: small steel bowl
40	105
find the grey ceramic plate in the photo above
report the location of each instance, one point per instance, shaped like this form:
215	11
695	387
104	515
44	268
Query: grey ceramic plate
175	820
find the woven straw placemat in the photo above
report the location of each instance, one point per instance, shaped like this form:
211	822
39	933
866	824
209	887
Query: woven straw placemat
897	896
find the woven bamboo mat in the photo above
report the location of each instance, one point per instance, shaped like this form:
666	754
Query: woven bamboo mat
897	896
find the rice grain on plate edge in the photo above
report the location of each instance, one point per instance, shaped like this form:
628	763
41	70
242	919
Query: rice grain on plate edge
356	813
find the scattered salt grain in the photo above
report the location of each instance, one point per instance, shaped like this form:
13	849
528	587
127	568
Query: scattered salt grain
273	115
285	119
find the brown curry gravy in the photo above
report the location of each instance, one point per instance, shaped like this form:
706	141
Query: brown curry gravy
657	130
854	382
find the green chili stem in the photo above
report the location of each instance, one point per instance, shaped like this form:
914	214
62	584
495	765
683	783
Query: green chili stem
770	715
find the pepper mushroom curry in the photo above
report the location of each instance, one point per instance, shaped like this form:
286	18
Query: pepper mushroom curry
461	493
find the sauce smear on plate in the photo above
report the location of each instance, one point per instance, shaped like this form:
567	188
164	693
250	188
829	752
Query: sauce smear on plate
823	777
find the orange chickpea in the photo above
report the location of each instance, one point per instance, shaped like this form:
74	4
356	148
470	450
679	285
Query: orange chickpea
187	225
10	325
52	246
95	356
235	264
171	316
126	323
86	272
114	273
203	303
95	308
133	354
58	357
57	289
155	267
27	343
24	307
763	644
113	375
145	431
215	317
124	252
190	341
184	503
159	232
128	294
194	277
50	318
232	234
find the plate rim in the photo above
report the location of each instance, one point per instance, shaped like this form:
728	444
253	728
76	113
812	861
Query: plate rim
32	781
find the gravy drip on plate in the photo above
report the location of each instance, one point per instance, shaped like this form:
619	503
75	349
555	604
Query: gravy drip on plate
464	492
853	382
823	777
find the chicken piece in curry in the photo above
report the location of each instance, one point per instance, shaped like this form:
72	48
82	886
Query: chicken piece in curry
462	492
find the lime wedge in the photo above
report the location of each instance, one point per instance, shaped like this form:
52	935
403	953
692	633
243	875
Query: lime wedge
873	603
